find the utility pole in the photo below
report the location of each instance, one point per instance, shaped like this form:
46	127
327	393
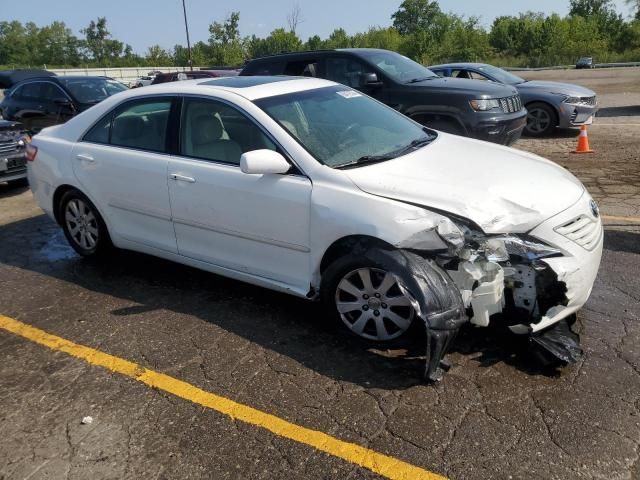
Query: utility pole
186	27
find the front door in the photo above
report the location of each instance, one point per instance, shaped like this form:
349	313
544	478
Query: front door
255	224
121	163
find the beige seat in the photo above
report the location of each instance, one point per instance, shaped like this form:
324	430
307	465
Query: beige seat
207	140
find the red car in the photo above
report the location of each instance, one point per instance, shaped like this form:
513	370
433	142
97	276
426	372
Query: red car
176	76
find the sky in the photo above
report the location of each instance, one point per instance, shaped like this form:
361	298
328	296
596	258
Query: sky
142	23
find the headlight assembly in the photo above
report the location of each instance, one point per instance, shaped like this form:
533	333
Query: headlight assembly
484	105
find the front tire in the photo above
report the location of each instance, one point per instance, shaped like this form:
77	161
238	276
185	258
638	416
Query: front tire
366	299
83	225
541	120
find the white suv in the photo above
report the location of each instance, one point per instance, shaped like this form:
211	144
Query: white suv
311	188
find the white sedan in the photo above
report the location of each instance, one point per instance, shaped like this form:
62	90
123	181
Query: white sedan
309	187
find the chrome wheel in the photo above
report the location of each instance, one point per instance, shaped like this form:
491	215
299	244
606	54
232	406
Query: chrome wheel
372	304
82	224
538	121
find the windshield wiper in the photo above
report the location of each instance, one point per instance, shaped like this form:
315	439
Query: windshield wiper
414	145
416	80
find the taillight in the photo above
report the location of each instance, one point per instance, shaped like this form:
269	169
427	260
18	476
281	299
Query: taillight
30	152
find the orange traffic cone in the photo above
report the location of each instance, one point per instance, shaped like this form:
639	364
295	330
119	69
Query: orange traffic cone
583	141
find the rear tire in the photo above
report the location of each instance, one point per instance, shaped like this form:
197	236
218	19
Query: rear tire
83	225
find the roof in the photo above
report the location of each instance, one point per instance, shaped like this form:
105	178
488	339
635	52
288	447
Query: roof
326	50
458	65
8	78
251	87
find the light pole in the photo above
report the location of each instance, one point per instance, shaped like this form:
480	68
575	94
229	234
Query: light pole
186	27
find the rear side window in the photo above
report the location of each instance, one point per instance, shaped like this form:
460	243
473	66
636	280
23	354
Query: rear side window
139	125
99	133
302	68
264	68
142	126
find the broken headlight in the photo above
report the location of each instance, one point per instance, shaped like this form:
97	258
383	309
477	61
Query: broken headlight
500	249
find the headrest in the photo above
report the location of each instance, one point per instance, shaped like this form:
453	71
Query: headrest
205	129
127	128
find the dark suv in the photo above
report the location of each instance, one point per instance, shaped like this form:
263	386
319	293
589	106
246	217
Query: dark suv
480	110
42	101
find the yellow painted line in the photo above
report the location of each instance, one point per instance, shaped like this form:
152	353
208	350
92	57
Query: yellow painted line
379	463
614	218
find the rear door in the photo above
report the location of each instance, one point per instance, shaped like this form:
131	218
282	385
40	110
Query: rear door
121	164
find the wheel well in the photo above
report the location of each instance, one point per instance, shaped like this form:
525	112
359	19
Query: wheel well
57	196
422	118
546	104
349	244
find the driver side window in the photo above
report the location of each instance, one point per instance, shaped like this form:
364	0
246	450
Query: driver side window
215	131
346	70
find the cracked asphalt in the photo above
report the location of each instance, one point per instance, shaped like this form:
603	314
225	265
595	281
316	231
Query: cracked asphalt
495	414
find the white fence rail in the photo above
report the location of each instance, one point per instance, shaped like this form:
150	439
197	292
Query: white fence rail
125	75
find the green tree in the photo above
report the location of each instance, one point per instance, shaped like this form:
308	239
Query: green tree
339	38
158	56
13	44
227	47
314	43
278	41
415	15
101	47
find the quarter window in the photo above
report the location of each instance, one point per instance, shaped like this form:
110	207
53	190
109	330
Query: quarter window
215	131
142	125
99	133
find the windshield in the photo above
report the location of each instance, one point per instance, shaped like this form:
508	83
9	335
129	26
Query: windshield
398	67
341	127
92	89
501	75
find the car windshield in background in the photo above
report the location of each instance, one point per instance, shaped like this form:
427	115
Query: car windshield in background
501	75
341	127
398	67
92	90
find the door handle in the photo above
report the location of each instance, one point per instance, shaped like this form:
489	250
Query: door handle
182	178
85	158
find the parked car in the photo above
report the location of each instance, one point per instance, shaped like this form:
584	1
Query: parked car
311	188
585	62
190	75
486	112
13	166
549	104
146	80
39	102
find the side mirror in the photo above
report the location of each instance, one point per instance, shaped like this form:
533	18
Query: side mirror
371	80
262	162
64	102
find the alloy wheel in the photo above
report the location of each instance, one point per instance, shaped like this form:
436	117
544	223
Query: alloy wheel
538	121
372	304
82	224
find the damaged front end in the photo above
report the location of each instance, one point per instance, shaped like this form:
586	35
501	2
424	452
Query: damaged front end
509	275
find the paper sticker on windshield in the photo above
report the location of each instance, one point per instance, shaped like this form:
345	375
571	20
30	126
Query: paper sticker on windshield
349	93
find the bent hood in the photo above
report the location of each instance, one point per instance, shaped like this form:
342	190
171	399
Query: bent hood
501	189
568	89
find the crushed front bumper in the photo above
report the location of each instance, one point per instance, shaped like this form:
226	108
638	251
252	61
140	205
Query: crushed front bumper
533	292
578	267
